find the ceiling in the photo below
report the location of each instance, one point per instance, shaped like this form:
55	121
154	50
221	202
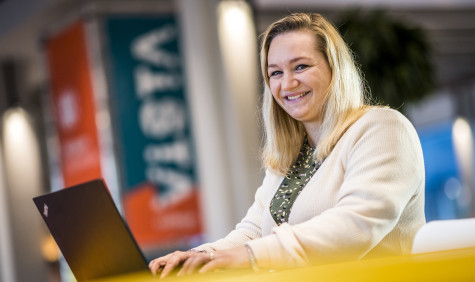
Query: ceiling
391	4
450	25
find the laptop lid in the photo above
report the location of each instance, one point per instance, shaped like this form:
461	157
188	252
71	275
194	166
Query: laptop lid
90	232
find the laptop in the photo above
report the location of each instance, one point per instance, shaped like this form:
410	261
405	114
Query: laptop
93	237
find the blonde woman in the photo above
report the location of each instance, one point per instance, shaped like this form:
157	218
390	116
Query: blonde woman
344	180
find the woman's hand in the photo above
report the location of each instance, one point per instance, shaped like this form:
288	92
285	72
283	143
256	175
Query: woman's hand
200	261
168	263
225	259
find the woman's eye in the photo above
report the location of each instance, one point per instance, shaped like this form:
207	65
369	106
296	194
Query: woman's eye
274	73
301	67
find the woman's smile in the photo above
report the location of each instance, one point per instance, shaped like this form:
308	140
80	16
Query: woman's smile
293	97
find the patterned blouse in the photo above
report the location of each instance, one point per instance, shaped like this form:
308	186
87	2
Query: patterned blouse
297	177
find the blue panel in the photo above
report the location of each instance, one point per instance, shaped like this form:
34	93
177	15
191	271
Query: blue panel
442	172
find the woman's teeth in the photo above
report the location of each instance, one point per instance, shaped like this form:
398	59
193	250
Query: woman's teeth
291	98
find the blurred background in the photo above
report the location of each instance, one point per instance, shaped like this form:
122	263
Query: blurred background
161	100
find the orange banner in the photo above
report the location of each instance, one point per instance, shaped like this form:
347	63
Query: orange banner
73	104
149	218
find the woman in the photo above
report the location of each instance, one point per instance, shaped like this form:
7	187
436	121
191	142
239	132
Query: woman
344	180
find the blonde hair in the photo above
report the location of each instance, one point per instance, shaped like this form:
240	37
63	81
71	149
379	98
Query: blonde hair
343	104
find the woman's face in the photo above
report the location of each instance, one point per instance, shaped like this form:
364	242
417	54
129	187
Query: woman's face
299	75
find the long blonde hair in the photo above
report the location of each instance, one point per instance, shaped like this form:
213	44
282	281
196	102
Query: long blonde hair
343	104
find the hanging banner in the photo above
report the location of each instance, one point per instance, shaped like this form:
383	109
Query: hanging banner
151	121
73	104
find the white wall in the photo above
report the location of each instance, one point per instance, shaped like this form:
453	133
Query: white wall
23	178
223	96
7	272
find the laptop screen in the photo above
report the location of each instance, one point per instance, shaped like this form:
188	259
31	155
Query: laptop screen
90	232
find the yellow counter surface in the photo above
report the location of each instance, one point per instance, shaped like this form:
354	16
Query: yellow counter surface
454	265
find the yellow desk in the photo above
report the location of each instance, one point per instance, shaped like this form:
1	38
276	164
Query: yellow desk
454	265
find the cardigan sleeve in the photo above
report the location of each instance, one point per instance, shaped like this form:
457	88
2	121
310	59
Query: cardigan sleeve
383	171
250	226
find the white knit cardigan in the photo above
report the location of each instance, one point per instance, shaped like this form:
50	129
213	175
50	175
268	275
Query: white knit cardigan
366	200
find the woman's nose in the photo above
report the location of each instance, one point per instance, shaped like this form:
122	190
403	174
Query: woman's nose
289	82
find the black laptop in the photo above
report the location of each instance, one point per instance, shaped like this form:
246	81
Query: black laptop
90	232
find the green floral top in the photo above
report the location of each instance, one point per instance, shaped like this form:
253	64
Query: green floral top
297	177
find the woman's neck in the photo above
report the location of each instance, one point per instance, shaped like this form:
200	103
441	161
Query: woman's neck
313	133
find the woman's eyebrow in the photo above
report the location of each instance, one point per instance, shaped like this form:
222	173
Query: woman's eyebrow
291	61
